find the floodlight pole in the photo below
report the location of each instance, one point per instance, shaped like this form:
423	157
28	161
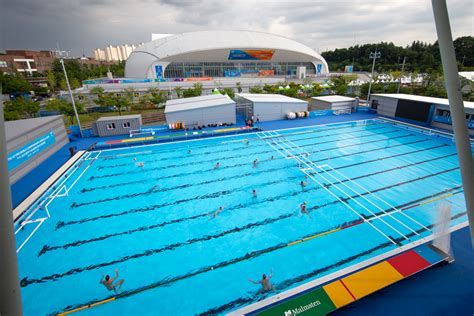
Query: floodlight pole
61	60
401	74
458	116
373	55
10	295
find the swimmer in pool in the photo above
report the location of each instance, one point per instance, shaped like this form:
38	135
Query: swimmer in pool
254	193
217	165
304	209
265	282
141	164
255	162
189	151
109	282
216	213
303	184
246	142
271	158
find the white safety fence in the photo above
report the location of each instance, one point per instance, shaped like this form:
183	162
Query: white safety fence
290	150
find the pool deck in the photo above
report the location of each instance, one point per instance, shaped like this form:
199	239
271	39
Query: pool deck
436	291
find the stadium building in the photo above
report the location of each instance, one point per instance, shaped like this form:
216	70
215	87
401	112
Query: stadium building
208	54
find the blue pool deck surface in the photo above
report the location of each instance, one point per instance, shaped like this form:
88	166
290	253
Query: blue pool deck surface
437	291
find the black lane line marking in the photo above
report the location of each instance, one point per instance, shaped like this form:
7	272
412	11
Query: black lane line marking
249	255
54	277
287	283
85	190
156	189
253	147
62	224
47	248
308	145
384	158
152	152
192	173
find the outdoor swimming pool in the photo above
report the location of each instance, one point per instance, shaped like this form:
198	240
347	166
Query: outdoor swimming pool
372	187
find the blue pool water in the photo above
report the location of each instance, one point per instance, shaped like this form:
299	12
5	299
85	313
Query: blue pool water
374	187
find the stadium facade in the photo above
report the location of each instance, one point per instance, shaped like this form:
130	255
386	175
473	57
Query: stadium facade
223	54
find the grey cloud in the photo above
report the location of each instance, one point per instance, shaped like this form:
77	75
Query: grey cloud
83	25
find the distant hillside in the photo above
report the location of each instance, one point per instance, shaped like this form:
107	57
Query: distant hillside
421	57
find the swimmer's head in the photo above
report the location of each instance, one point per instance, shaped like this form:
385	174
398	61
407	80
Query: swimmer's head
107	277
134	158
264	276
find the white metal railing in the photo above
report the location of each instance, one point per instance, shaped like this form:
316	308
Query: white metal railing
142	131
289	149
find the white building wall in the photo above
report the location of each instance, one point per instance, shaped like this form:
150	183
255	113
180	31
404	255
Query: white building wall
335	106
204	116
386	106
272	111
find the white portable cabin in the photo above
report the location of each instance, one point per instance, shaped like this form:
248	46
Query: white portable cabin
116	125
199	111
271	107
336	103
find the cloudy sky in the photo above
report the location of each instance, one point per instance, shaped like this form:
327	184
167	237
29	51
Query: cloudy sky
82	25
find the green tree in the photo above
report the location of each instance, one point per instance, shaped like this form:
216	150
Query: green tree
51	80
65	107
239	87
316	89
129	93
197	89
99	93
230	92
97	90
179	91
14	84
155	97
116	101
21	108
256	89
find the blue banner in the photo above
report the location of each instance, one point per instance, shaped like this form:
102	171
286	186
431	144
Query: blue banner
28	151
231	73
319	67
159	71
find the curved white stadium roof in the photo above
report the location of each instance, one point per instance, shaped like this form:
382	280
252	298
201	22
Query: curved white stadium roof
215	46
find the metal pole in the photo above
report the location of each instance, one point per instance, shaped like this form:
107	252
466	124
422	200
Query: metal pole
456	105
72	97
374	55
401	74
10	296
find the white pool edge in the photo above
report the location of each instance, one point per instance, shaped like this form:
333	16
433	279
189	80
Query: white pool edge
24	206
336	275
